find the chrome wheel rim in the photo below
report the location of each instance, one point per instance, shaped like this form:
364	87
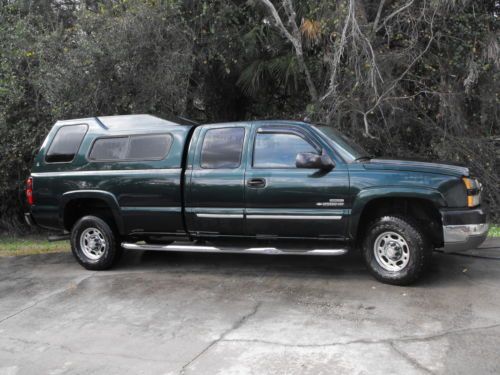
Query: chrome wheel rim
93	243
391	251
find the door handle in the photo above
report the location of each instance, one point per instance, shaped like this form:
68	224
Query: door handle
256	182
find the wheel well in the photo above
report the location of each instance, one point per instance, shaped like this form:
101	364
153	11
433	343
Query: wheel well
422	210
78	208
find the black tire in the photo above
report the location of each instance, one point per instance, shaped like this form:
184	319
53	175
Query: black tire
418	249
108	243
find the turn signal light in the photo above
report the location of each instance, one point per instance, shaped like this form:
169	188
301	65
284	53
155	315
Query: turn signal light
473	191
473	200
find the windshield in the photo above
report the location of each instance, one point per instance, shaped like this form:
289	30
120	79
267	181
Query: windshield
347	149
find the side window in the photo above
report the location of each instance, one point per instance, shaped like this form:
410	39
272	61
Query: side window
149	147
135	147
66	143
109	149
222	148
278	150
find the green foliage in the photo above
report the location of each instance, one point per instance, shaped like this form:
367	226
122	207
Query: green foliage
494	231
128	57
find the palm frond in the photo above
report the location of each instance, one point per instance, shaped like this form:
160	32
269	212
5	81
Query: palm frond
251	78
285	70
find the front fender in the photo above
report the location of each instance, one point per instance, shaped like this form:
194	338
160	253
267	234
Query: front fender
106	196
365	196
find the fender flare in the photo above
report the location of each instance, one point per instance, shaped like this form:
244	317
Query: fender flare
367	195
105	196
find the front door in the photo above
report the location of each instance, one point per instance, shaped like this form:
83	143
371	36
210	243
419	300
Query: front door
285	201
215	181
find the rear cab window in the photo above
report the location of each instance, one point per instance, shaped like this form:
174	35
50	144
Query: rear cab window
222	148
66	143
129	148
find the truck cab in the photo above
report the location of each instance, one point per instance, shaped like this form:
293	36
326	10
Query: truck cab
243	180
277	187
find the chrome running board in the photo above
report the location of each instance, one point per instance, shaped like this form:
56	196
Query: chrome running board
231	250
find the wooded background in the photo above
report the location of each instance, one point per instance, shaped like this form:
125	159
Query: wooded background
412	78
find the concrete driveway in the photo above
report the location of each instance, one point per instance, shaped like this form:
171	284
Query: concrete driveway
171	313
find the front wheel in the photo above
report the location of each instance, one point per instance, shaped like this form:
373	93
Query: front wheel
94	244
396	250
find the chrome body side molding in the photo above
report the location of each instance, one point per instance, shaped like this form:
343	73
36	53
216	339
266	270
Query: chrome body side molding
275	217
295	217
220	216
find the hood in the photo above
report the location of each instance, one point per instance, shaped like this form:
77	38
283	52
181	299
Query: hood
417	166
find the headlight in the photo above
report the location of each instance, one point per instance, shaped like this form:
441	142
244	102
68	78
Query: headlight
473	188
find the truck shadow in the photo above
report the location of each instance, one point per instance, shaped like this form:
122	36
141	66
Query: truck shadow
243	263
444	269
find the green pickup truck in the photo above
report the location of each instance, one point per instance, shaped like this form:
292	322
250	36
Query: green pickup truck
139	182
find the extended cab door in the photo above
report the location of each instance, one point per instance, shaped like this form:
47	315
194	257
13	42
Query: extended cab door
286	201
215	185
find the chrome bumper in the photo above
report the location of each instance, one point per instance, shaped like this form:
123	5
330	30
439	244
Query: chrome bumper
464	228
464	237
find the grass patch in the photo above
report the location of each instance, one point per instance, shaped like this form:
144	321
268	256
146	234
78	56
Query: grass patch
494	231
29	245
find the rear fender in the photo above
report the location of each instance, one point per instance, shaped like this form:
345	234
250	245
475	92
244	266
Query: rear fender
105	196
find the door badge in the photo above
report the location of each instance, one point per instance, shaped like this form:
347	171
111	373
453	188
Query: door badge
331	203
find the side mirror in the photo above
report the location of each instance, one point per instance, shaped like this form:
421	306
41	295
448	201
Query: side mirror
314	161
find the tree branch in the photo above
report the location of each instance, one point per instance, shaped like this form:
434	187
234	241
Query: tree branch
379	13
408	4
339	53
293	37
397	80
278	20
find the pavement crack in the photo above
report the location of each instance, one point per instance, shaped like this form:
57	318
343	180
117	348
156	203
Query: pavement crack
48	296
86	353
444	333
221	337
410	359
388	340
278	343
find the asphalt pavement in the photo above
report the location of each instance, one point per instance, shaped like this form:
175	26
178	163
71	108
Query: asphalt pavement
178	313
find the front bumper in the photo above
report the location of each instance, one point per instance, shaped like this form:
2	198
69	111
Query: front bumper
464	229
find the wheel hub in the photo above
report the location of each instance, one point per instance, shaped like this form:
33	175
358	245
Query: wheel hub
391	251
92	243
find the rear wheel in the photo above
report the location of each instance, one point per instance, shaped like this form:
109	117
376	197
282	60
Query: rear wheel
396	250
94	243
